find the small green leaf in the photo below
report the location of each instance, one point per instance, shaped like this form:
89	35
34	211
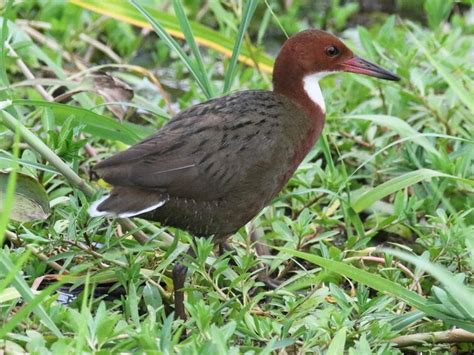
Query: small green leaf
9	294
338	343
172	44
5	104
367	42
247	16
437	11
398	183
399	126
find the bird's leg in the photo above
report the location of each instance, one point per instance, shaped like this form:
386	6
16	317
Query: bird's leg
179	277
224	247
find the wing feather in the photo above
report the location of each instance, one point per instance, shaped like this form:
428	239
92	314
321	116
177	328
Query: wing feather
207	150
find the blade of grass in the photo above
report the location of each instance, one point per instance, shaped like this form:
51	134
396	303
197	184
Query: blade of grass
95	124
9	294
380	284
404	320
7	203
276	19
37	166
36	143
249	10
45	82
189	36
453	83
372	280
3	41
403	140
398	183
33	300
324	144
204	36
398	125
462	294
10	276
173	45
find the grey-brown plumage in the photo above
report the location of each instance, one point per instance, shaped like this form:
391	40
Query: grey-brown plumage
214	166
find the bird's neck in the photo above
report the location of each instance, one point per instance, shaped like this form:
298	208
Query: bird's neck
302	89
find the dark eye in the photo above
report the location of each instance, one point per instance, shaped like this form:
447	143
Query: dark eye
332	51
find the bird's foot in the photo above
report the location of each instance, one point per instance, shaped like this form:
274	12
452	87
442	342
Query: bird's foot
269	282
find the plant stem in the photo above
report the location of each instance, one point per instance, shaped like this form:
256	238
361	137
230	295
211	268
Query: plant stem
27	72
37	144
54	265
448	336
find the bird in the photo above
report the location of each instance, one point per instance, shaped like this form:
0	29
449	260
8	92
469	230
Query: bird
215	165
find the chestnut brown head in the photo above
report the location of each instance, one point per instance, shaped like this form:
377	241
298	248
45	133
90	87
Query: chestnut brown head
310	55
314	51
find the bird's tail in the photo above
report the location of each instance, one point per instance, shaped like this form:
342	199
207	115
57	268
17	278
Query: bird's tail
126	202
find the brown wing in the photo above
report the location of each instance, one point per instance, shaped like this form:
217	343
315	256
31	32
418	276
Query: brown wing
207	150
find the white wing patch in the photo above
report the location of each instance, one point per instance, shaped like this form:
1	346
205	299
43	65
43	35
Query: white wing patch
311	86
94	212
148	209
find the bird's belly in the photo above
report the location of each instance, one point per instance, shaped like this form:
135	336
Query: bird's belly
220	218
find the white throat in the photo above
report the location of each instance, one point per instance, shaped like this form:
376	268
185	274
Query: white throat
311	86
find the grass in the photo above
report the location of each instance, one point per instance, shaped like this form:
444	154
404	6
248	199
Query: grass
393	169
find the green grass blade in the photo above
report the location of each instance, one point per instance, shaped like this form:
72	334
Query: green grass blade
463	296
372	280
94	124
33	300
403	140
3	41
277	20
405	320
9	294
36	166
204	36
378	283
461	92
36	143
172	44
10	276
249	10
398	183
189	36
6	205
398	125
